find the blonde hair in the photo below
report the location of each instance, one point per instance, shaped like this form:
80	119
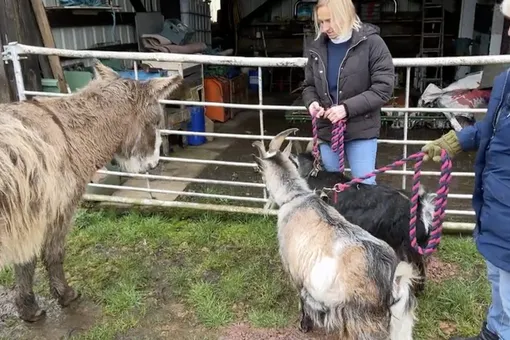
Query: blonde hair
343	16
505	8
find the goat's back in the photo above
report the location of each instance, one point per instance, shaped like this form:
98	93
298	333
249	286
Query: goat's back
32	185
381	210
335	261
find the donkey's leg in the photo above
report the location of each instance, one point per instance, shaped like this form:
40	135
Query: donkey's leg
53	256
27	306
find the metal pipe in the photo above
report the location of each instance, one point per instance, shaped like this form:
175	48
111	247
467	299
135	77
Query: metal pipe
181	179
248	61
406	122
176	192
11	53
447	226
279	107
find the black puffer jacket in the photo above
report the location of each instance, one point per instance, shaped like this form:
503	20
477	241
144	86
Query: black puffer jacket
366	82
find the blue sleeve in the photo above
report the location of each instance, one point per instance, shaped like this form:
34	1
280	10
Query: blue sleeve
469	137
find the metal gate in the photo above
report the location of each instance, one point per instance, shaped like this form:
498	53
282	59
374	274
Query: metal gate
14	51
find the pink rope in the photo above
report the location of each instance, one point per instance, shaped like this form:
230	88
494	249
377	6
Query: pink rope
337	143
440	204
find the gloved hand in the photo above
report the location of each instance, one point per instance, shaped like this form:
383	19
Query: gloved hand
449	142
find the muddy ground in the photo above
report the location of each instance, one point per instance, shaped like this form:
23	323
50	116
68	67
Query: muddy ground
171	320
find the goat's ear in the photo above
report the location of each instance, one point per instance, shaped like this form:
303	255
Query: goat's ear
103	72
161	88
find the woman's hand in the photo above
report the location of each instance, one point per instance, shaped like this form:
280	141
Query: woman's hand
316	110
335	113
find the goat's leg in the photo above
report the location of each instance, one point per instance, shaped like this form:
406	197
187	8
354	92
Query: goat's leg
306	323
53	257
25	301
419	286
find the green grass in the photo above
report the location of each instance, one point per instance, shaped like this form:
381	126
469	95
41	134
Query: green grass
224	269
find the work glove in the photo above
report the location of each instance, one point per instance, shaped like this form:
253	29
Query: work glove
449	142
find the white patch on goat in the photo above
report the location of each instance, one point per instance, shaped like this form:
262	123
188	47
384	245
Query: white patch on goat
322	277
402	317
427	211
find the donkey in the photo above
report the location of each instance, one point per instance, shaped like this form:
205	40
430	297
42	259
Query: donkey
348	280
50	149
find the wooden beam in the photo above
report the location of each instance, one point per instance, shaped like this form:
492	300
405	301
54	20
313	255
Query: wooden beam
47	37
5	93
17	23
59	18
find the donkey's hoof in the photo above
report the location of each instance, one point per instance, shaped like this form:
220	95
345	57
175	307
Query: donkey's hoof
68	297
31	315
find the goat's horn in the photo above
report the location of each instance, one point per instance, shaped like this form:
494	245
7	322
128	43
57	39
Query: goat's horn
260	148
277	141
288	149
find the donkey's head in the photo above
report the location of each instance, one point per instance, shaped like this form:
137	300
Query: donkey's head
140	147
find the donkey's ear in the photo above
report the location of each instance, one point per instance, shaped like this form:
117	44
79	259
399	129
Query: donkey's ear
104	72
161	88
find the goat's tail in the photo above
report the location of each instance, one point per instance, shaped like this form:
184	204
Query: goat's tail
402	310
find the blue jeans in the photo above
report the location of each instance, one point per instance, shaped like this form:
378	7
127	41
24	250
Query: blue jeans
361	155
498	317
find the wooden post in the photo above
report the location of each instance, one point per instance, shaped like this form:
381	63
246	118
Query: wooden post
17	24
5	93
47	38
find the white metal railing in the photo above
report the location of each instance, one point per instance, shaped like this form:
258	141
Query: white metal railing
14	51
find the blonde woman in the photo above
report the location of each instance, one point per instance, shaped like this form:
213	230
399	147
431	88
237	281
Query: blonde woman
349	75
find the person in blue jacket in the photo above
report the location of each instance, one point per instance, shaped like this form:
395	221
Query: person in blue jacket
490	138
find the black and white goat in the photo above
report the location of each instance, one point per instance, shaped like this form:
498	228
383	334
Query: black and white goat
381	210
349	281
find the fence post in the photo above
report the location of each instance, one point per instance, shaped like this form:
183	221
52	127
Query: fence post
11	53
406	122
261	111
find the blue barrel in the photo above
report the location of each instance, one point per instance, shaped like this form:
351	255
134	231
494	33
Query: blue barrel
253	75
196	124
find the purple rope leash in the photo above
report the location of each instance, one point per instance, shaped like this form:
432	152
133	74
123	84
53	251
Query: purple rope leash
337	143
440	201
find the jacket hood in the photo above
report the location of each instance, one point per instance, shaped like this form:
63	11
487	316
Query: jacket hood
369	29
365	30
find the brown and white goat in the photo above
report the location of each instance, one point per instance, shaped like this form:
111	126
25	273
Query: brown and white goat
349	281
50	149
